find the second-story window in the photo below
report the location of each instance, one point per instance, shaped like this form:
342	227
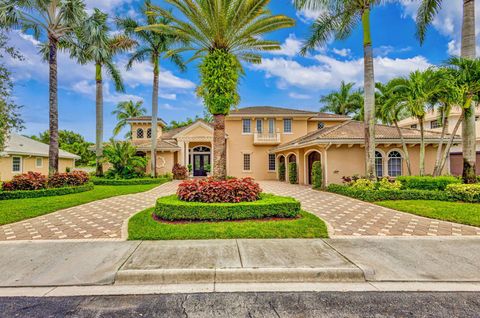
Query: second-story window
435	124
414	126
140	133
271	125
259	126
287	125
247	126
149	133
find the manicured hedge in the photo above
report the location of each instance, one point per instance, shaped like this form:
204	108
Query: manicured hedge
427	182
173	209
464	192
120	182
383	195
317	178
49	192
292	173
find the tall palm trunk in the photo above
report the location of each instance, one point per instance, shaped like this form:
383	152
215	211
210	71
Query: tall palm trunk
468	127
436	170
422	146
450	141
405	149
53	106
369	103
219	147
153	154
99	118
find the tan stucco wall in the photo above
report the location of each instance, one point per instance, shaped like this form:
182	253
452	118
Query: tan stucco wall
313	125
29	164
144	126
165	162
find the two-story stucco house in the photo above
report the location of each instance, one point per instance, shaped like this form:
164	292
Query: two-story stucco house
260	138
433	122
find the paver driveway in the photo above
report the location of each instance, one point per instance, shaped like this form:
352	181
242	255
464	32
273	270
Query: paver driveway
347	216
104	219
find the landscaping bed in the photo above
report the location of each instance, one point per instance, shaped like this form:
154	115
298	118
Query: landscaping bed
119	182
48	192
143	226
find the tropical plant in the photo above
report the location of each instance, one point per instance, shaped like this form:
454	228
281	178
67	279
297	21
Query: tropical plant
222	33
153	47
51	20
344	101
338	19
179	124
93	43
124	160
317	175
426	13
124	111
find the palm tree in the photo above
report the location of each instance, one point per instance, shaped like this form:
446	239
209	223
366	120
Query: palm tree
222	33
343	101
153	47
124	111
338	19
416	93
390	110
93	43
53	20
426	13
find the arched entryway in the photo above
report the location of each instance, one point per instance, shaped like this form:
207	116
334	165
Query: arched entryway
311	158
291	158
200	159
282	168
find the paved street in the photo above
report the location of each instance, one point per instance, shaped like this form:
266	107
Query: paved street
250	305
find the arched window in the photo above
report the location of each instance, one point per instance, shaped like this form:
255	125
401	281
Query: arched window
320	125
149	133
201	149
379	164
140	133
394	164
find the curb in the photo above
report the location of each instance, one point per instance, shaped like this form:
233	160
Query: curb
238	275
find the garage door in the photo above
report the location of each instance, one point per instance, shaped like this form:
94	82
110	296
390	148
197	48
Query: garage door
456	164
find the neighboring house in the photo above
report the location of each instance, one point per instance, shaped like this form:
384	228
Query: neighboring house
22	154
259	138
433	121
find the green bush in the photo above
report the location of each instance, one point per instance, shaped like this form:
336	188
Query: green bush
121	182
427	182
363	184
464	192
386	184
292	173
317	178
383	195
50	192
171	208
281	171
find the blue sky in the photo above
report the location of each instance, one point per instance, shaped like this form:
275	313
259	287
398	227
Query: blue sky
283	79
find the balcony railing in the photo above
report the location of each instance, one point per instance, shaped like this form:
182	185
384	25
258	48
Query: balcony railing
266	138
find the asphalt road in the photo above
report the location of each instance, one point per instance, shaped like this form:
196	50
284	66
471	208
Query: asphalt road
306	304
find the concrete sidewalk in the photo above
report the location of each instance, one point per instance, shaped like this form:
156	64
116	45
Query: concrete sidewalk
351	261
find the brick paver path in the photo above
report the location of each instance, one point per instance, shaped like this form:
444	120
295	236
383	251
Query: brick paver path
347	216
101	219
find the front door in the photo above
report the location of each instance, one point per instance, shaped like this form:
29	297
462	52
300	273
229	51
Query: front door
199	162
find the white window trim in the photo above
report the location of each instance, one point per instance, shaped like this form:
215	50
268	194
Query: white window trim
291	126
247	133
243	161
271	171
21	165
386	172
36	162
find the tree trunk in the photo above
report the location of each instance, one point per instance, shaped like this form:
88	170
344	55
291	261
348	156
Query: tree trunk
219	147
422	147
369	103
153	149
468	127
53	106
436	169
450	141
405	149
99	119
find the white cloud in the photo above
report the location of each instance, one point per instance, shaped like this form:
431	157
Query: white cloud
168	96
299	96
108	6
171	107
290	47
329	72
342	52
385	50
88	89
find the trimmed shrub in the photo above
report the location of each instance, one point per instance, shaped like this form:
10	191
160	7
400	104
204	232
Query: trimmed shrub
292	173
121	182
317	178
171	208
464	192
69	179
24	194
427	182
383	195
179	172
281	171
27	181
387	184
210	190
363	184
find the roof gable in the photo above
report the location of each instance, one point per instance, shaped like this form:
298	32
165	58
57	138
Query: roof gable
198	128
20	145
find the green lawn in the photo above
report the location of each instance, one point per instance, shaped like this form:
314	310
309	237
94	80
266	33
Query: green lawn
142	226
464	213
21	209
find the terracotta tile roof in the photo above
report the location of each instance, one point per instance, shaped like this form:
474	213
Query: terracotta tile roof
330	116
354	131
161	145
146	119
270	110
